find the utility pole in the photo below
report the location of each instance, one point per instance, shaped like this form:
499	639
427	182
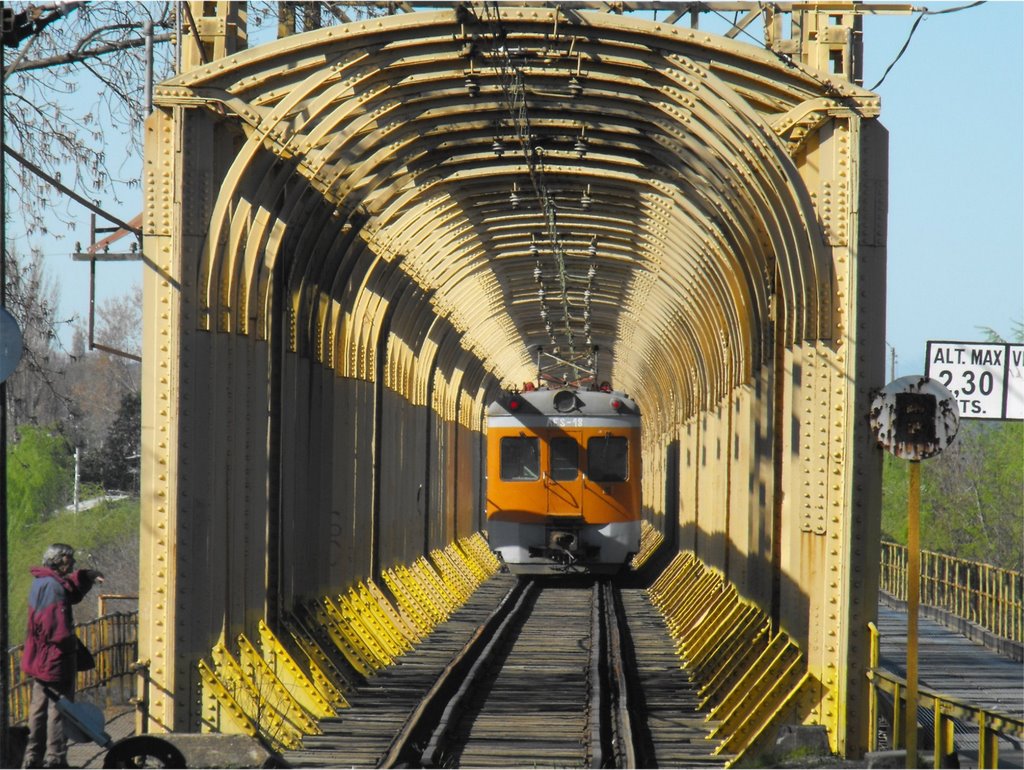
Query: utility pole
913	418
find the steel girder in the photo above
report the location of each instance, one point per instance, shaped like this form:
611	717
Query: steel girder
344	196
689	181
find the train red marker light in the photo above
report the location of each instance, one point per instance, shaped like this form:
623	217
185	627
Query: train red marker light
616	404
514	403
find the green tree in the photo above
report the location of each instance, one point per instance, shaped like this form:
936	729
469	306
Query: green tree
975	495
40	475
115	464
1016	333
972	496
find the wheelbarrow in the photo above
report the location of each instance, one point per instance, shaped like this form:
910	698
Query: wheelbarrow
84	722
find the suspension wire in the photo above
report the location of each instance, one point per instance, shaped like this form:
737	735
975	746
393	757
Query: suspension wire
788	60
913	29
903	50
514	89
929	12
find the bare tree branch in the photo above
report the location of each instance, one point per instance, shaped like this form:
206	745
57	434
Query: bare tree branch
76	56
86	75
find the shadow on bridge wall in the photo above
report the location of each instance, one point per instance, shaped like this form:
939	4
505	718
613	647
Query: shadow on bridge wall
753	678
797	606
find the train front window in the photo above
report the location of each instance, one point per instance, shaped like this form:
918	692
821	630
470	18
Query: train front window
520	458
608	458
565	459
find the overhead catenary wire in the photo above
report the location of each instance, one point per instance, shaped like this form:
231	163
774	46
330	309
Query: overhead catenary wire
514	90
903	50
788	60
68	191
913	29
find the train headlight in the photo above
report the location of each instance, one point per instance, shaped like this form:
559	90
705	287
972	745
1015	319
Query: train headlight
564	401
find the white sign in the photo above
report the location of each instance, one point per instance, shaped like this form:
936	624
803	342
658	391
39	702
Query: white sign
986	378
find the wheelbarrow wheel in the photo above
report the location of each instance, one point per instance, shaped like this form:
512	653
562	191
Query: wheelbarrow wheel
144	751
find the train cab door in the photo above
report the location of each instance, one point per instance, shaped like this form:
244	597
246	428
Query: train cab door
563	479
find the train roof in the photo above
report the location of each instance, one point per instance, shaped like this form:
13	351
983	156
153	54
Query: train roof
566	401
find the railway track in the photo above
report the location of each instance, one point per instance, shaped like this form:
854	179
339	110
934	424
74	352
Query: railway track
540	690
549	679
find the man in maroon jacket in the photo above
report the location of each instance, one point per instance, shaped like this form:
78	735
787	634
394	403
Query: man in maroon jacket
50	650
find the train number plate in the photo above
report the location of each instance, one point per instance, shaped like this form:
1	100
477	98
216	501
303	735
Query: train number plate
566	422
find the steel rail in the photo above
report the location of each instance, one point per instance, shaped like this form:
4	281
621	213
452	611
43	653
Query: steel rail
611	716
453	711
624	716
615	731
446	690
599	716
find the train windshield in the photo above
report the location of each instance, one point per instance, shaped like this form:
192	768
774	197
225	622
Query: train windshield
565	459
520	458
608	458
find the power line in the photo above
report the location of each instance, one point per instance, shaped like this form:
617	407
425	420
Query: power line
913	29
68	191
514	89
899	56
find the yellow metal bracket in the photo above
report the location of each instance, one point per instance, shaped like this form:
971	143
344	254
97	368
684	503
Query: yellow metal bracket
358	655
271	691
485	558
221	712
456	580
384	624
362	627
407	603
269	694
399	617
248	692
749	681
650	541
433	588
325	675
288	671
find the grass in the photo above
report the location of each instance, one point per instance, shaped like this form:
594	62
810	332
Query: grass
88	532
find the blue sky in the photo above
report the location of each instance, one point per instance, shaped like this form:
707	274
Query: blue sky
953	106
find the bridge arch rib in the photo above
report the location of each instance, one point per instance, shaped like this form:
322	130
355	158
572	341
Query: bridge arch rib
348	246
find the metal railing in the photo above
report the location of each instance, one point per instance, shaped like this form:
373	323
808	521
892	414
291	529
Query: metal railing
946	711
989	597
112	640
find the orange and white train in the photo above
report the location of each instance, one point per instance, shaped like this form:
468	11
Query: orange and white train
563	480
